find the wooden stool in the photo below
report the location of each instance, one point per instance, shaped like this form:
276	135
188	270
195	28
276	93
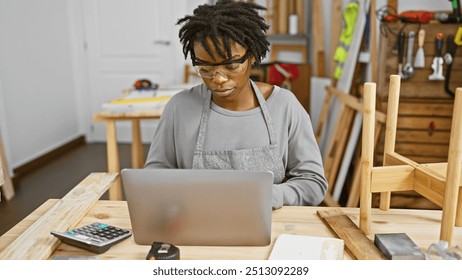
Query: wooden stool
438	182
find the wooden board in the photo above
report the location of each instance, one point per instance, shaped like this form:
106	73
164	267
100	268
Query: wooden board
300	11
335	31
1	176
423	130
6	184
317	44
283	17
36	243
356	242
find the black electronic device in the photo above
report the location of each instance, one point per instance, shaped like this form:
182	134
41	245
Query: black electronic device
96	237
163	251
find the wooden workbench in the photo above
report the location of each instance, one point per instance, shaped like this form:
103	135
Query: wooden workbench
421	225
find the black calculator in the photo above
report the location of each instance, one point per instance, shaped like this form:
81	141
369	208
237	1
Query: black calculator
96	237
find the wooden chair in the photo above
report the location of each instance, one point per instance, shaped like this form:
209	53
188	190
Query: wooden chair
438	182
6	184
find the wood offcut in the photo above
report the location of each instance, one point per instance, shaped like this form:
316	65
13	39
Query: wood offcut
356	242
36	243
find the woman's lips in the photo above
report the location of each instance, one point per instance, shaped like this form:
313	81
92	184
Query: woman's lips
223	92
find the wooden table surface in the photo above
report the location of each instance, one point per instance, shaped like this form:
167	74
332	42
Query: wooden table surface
421	225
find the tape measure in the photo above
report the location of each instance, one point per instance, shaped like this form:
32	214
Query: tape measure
163	251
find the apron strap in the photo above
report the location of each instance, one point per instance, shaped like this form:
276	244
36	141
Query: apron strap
266	114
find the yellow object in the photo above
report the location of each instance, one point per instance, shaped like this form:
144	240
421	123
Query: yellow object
140	100
350	15
458	37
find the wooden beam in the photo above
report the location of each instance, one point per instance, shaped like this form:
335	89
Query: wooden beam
373	41
353	102
356	242
6	184
367	156
36	243
318	43
392	178
335	31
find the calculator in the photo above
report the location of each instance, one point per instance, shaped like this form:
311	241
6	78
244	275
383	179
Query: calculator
96	237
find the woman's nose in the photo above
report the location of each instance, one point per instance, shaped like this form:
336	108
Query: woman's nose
219	78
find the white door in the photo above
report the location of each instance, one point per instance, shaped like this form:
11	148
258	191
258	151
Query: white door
126	41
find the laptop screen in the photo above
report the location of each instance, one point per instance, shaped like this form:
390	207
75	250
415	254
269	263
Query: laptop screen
199	207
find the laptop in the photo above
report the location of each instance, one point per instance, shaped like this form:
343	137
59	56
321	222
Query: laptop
199	207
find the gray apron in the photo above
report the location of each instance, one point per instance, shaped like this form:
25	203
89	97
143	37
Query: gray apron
255	159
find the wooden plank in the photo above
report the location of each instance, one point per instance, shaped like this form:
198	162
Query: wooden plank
36	243
317	30
423	137
353	195
1	176
392	178
300	85
422	149
367	156
283	18
274	16
350	148
337	145
452	205
335	31
356	242
373	41
428	181
440	168
354	102
323	117
6	184
439	123
430	187
13	233
425	109
300	11
419	159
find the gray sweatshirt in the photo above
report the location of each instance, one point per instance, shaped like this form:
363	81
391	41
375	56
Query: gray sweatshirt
175	138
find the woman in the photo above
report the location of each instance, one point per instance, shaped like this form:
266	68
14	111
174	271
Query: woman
231	122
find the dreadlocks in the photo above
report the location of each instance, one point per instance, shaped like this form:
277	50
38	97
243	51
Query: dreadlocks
224	22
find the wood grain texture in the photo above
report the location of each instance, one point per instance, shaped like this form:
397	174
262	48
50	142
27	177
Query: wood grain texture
421	225
356	242
36	243
6	184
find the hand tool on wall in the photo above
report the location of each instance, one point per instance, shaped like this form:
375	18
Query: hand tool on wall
408	69
451	47
437	64
401	41
458	39
419	60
